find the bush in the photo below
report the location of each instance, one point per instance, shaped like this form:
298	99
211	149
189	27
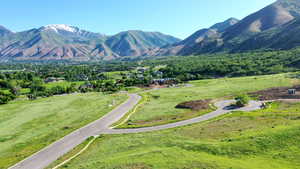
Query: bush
57	90
242	100
6	97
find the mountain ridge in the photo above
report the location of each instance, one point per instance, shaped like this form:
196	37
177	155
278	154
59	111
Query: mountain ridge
58	41
274	15
274	27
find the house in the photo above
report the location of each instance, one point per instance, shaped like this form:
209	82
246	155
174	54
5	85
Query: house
82	77
86	86
291	91
53	79
141	69
158	74
164	81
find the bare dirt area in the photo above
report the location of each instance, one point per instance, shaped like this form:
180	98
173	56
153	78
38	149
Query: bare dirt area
195	105
277	93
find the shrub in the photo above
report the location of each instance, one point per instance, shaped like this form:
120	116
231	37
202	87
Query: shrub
57	90
242	100
6	97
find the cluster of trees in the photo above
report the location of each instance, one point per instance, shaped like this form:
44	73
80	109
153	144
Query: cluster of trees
229	65
9	90
68	70
12	81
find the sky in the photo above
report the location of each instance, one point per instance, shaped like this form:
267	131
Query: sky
179	18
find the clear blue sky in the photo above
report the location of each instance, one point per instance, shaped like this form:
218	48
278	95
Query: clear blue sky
175	17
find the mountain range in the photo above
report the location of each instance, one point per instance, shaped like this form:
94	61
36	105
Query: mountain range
55	42
275	27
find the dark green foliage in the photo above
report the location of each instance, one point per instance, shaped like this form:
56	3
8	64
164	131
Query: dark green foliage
230	65
57	90
37	86
242	100
5	97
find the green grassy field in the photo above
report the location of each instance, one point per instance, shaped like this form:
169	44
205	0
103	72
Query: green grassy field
267	139
115	75
28	126
50	85
160	105
62	84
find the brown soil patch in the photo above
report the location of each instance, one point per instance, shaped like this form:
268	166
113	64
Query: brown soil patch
277	93
195	105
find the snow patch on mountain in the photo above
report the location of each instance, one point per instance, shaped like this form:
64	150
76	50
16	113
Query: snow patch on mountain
60	27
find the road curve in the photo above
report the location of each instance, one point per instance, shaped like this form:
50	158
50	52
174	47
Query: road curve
52	152
223	108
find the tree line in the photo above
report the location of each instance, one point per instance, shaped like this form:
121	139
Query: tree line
15	77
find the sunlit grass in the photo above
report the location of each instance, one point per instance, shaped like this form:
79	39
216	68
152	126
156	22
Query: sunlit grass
160	105
266	139
27	126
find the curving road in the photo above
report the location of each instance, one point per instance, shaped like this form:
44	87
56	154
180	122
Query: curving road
223	108
52	152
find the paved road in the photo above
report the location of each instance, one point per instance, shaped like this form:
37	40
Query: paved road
52	152
223	108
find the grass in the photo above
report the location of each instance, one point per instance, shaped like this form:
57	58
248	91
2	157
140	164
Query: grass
62	84
160	105
50	85
28	126
146	97
266	139
115	75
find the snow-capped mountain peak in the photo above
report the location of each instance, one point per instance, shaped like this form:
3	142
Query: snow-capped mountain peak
60	27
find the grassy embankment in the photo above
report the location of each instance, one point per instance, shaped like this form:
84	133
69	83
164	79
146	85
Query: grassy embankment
28	126
159	105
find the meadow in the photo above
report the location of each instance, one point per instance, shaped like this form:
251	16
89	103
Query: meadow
266	139
159	106
62	84
65	84
28	126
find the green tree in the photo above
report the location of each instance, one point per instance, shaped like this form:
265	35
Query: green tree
5	97
242	100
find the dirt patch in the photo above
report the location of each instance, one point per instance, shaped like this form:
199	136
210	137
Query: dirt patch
195	105
277	93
